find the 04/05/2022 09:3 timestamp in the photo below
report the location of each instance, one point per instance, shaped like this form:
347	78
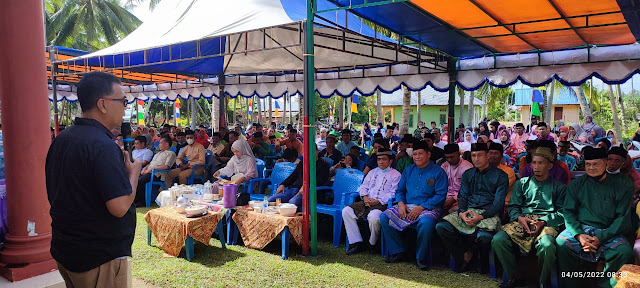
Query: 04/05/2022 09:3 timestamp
592	274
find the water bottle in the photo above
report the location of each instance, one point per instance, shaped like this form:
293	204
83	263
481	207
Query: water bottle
265	204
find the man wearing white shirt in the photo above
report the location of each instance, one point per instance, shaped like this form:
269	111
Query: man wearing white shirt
436	140
142	153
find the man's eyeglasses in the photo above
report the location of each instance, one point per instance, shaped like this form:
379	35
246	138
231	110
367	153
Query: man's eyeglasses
123	100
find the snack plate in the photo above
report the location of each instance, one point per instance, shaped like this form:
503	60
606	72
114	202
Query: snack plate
197	215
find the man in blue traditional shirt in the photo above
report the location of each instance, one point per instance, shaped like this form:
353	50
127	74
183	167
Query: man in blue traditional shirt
420	195
346	143
480	202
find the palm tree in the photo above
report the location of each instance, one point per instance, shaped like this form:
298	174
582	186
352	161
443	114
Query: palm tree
614	111
379	114
406	110
134	3
87	24
548	105
470	105
582	99
622	109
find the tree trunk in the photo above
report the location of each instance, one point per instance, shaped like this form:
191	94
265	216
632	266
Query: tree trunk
290	109
379	114
470	107
622	109
235	112
548	108
484	107
418	104
284	107
340	111
614	111
215	111
270	109
349	111
301	112
582	99
406	110
461	107
166	112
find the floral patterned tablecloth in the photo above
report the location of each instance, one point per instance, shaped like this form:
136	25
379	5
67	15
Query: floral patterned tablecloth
258	230
628	276
172	228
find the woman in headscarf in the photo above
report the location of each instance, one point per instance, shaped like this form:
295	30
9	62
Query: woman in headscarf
588	124
575	132
509	148
202	137
614	141
596	132
366	134
444	136
484	129
380	128
563	133
154	136
493	128
242	166
466	144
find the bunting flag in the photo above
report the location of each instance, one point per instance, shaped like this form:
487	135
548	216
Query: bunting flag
177	111
277	109
250	112
330	114
369	115
354	104
536	100
140	112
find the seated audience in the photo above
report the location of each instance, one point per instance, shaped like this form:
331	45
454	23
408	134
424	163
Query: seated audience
141	152
195	155
564	156
164	159
242	166
454	167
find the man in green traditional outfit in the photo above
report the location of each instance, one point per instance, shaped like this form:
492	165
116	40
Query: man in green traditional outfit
480	203
535	212
596	214
404	157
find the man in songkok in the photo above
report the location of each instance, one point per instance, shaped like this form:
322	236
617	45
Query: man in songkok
420	195
497	160
480	203
618	162
376	189
560	171
454	167
435	152
535	215
519	137
596	215
372	163
563	155
403	158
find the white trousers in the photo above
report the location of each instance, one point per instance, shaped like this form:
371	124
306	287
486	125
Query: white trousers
351	226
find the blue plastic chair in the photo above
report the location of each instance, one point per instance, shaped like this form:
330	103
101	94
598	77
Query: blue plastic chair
205	174
148	188
347	182
364	157
506	159
636	164
270	160
279	173
260	166
328	160
173	149
156	144
361	165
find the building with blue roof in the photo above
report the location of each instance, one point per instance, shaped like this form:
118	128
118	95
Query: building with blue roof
565	105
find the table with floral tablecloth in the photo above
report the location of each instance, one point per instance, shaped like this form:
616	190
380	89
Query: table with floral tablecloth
172	229
258	229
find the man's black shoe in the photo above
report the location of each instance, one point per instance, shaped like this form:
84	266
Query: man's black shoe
395	258
356	248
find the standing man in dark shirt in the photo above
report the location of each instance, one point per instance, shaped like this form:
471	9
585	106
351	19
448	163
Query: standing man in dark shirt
437	153
91	188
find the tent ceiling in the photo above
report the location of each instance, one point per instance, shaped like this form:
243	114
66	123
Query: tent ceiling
483	26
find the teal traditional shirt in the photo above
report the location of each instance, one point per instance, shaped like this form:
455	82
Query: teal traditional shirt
569	160
604	205
484	190
540	198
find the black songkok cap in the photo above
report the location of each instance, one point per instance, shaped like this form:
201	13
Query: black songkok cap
451	148
496	146
421	145
592	153
478	147
617	150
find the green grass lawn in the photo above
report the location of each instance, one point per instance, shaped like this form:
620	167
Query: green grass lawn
238	266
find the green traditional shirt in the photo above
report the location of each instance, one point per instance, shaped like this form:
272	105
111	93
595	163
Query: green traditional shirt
264	149
529	196
483	190
404	162
604	205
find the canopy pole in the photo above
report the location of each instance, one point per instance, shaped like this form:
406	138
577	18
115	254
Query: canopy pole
309	223
222	104
54	87
453	74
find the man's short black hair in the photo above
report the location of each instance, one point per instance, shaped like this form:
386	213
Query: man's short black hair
142	139
181	134
355	148
167	138
93	86
293	130
258	135
542	124
433	122
189	132
216	134
166	126
290	154
233	132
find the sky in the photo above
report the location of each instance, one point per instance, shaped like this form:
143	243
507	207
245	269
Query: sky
142	12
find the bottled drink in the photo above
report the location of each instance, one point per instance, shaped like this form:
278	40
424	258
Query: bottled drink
265	204
278	202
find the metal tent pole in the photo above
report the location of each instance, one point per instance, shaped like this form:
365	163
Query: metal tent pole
222	104
310	228
453	74
54	87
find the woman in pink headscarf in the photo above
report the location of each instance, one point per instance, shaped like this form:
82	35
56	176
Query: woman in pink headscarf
509	148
